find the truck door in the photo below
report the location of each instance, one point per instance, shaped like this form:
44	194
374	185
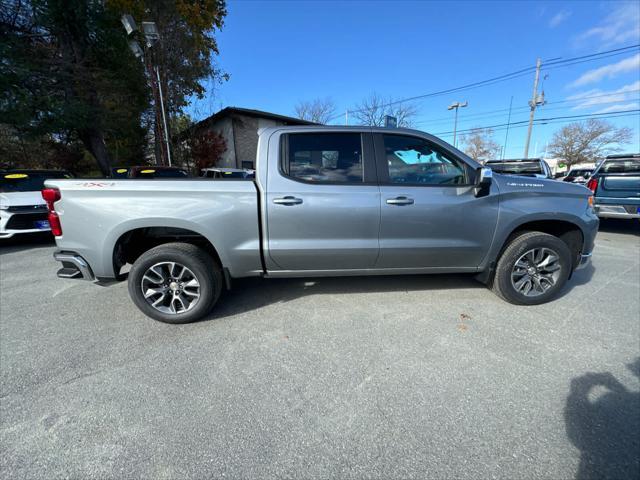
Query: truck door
322	202
430	216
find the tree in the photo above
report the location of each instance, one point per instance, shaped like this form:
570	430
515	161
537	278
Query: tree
185	51
207	148
67	73
588	141
479	144
318	110
373	109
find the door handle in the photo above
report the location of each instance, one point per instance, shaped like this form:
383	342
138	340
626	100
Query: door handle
287	201
400	201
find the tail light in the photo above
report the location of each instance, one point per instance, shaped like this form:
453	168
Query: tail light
592	184
52	195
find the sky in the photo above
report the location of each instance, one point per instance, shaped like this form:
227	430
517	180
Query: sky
278	53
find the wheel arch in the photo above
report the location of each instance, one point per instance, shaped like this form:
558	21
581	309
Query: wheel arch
133	242
570	232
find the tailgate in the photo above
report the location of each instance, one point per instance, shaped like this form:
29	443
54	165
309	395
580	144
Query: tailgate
620	186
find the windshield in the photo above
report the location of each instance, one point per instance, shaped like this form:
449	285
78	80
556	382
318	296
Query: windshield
27	181
521	168
628	165
120	172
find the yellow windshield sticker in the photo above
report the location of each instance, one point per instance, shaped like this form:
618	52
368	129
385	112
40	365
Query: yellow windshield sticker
16	175
147	171
121	170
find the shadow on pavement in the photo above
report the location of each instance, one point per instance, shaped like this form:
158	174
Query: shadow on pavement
602	419
253	293
26	241
249	294
615	225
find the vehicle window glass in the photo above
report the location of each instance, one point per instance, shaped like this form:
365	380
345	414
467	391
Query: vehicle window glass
621	166
325	157
413	160
27	181
518	168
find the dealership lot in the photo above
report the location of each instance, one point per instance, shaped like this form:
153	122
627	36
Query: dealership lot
376	377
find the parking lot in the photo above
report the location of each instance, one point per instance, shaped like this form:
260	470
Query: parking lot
380	377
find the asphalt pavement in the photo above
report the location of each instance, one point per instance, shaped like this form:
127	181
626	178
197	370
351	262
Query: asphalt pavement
379	377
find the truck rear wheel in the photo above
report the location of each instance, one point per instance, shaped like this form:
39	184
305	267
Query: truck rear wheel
533	269
175	283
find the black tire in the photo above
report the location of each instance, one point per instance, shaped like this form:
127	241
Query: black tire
503	285
203	267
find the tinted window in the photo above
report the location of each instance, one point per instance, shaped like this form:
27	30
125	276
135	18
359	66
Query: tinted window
630	165
413	160
324	157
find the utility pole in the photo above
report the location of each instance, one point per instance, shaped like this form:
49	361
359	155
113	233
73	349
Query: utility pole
346	117
506	135
533	103
456	106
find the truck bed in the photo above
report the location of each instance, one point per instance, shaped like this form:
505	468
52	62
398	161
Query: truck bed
95	214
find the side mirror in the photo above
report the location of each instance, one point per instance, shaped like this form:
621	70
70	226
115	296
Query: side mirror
484	178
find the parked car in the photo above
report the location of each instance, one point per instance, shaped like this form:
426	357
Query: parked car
527	167
157	172
578	175
615	184
326	201
22	209
227	173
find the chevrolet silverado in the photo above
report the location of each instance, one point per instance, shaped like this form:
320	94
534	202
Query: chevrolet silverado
325	201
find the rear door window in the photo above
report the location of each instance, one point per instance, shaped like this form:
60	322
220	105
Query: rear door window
324	157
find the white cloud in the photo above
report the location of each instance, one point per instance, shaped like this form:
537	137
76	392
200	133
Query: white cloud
558	18
608	71
594	97
622	25
619	108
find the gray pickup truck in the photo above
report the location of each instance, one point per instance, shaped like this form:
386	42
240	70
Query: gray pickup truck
325	201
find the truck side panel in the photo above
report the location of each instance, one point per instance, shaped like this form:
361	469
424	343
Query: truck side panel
95	213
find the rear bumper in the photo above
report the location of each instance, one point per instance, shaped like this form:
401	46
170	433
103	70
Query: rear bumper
74	266
612	210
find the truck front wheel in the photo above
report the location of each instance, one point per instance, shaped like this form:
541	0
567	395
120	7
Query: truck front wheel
175	283
533	269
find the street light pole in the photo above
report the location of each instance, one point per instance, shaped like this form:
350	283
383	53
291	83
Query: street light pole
456	106
164	116
151	35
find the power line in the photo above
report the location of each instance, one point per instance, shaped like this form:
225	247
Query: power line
547	120
621	50
502	78
496	113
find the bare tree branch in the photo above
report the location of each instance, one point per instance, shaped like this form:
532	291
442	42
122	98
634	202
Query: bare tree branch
586	142
479	144
373	109
319	110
